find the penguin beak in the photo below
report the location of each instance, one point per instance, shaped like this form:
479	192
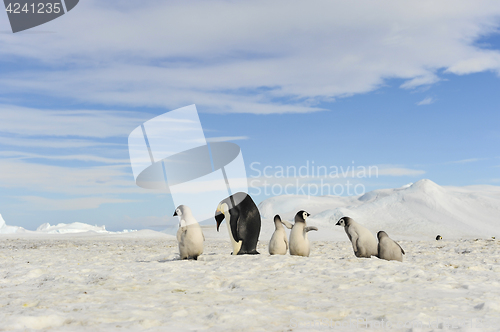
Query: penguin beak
219	217
175	213
308	214
338	223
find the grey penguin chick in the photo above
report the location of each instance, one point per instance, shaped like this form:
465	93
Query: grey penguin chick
389	249
363	242
278	245
299	243
189	234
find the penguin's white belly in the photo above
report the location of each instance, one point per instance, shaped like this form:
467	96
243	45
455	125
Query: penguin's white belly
277	244
299	243
236	245
191	244
389	250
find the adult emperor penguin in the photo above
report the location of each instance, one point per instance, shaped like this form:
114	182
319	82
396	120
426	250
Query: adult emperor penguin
363	241
299	243
189	235
243	222
388	249
278	245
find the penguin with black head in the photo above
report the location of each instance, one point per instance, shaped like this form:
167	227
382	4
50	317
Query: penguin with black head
299	243
243	222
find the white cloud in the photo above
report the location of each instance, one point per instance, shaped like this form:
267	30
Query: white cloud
81	203
26	121
465	161
54	143
418	81
307	173
484	60
87	158
220	55
226	138
399	171
426	101
98	180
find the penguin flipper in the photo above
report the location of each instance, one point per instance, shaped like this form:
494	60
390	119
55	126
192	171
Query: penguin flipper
287	224
354	240
400	248
233	222
181	233
310	228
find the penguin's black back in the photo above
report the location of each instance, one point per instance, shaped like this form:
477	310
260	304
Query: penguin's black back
248	223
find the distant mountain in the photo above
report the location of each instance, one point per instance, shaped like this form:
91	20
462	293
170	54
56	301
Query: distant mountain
418	210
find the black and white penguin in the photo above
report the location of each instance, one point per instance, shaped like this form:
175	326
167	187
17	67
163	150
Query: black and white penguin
299	243
243	222
189	235
388	249
363	242
278	245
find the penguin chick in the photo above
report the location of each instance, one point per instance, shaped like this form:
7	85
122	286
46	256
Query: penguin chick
299	243
388	249
189	235
363	242
278	245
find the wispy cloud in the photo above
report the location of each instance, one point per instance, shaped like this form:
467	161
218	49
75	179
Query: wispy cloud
81	203
427	79
98	180
190	54
465	161
426	101
398	171
54	143
86	158
309	172
27	122
226	138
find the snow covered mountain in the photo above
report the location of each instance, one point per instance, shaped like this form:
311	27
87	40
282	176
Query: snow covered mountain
420	210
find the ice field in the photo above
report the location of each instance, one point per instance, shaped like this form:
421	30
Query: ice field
57	279
124	282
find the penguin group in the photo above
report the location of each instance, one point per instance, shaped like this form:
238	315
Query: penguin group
364	243
244	223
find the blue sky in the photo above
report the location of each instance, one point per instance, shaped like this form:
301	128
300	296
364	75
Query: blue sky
409	87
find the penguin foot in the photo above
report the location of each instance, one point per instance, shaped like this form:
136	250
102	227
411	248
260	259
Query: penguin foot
252	252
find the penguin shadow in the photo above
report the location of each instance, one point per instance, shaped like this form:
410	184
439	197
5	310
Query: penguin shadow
176	257
202	258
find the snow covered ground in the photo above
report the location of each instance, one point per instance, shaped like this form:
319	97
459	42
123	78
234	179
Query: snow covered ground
92	280
133	281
